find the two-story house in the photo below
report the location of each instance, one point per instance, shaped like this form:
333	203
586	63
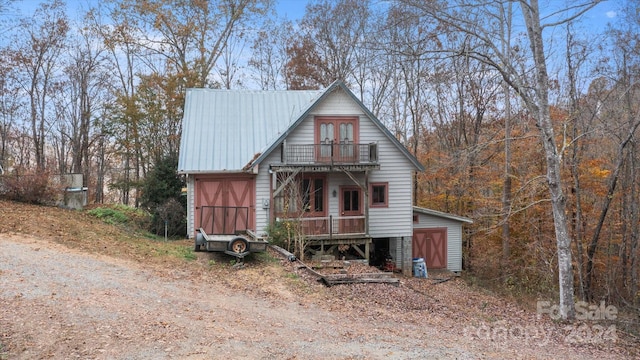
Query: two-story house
319	157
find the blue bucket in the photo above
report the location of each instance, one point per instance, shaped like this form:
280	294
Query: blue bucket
419	268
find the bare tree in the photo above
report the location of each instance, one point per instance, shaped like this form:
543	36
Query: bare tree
269	55
332	32
10	107
475	21
191	35
38	56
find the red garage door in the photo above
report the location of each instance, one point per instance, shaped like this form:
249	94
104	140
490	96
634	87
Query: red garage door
431	245
224	204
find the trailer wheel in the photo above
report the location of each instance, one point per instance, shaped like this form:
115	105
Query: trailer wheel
238	245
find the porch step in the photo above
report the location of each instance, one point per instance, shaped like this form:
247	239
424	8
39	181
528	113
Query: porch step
323	257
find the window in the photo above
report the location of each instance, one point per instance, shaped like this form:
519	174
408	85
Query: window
305	195
313	195
351	201
379	195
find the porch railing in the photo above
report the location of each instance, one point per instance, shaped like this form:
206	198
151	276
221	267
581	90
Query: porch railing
333	153
330	226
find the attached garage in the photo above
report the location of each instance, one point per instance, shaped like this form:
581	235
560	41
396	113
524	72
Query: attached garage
437	238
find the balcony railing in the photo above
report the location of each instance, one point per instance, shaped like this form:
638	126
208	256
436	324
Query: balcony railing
330	226
333	153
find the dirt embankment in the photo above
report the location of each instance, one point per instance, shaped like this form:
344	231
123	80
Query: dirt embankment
72	287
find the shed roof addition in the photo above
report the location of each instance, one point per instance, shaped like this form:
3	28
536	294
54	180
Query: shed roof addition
441	214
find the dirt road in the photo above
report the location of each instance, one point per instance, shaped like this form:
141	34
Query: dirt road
57	302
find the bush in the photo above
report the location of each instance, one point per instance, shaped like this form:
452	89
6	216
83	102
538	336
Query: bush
279	235
288	235
121	215
171	214
161	196
32	189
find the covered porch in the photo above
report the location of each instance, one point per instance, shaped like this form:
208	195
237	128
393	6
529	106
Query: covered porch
326	205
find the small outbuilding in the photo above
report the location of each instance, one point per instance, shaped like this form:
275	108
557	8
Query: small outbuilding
437	238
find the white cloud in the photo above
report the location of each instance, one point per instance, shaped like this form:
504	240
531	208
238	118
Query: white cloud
611	14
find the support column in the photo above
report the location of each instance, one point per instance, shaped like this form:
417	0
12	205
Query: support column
407	260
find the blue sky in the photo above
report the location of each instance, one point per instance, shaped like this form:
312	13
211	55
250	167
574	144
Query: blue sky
291	9
596	19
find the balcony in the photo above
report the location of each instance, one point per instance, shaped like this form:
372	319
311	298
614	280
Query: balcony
330	154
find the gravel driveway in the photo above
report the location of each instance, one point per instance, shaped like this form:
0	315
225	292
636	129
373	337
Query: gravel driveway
56	302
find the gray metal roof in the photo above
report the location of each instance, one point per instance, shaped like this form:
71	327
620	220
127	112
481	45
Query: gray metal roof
233	130
224	130
441	214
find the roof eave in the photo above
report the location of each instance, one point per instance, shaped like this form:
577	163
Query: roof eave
437	213
202	172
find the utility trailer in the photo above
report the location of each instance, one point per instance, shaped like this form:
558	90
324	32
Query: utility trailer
225	229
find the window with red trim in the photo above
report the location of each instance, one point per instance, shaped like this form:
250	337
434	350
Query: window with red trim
379	194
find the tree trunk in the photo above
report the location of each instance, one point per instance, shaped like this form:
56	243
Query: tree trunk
506	185
540	110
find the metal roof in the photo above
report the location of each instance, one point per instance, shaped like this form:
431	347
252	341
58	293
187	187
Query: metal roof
233	130
224	130
441	214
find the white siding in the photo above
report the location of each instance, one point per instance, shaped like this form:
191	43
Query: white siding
190	206
263	191
454	237
395	169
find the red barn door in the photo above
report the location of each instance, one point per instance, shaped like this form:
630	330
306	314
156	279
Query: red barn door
431	245
216	200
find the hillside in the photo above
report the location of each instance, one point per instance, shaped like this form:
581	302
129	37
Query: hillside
73	286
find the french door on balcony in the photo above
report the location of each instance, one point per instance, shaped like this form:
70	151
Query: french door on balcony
337	138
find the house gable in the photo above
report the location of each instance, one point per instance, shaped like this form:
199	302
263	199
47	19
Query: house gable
396	167
324	106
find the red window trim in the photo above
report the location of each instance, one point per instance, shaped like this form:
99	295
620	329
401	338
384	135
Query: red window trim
360	198
336	120
311	178
298	180
386	195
